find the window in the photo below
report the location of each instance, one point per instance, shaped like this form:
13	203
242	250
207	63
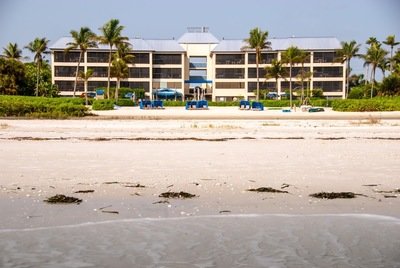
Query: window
266	58
253	72
61	56
322	57
295	71
197	62
198	75
328	72
93	85
176	85
139	73
171	73
69	85
142	85
252	86
141	58
296	85
224	85
232	73
329	86
97	57
66	71
229	58
167	59
99	71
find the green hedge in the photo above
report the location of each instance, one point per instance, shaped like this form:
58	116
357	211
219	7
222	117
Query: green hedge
41	107
102	105
367	105
124	102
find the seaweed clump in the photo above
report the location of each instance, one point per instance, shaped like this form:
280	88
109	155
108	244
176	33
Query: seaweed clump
60	198
177	195
267	190
333	195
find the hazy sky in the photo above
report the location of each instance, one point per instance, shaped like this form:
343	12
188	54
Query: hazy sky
23	20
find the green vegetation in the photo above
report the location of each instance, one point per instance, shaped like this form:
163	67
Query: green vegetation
124	102
367	105
102	105
258	41
39	107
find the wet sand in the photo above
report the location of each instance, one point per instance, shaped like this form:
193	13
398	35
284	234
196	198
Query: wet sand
218	161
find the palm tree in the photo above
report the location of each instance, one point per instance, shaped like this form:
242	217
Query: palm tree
258	41
82	40
85	77
119	67
346	53
276	70
391	41
12	52
375	57
291	57
111	35
39	47
303	75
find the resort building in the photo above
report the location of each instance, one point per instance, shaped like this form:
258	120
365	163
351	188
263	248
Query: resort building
199	64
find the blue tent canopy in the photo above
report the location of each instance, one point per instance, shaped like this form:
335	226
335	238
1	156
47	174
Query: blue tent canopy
166	93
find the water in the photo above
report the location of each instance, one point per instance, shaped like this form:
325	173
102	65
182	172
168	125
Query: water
342	240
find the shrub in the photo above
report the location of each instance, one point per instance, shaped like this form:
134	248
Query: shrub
367	105
101	105
139	92
356	93
125	102
317	93
390	86
41	107
174	103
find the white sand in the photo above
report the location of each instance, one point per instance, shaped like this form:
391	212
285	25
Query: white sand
311	156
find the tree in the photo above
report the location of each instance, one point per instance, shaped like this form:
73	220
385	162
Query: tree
258	41
119	67
291	57
82	40
85	77
45	86
111	36
391	41
12	76
38	47
12	52
276	71
374	58
303	75
348	51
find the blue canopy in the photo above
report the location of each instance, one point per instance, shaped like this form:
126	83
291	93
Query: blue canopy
167	93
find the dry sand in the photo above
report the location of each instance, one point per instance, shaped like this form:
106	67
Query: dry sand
218	161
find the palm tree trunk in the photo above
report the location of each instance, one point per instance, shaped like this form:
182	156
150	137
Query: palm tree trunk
86	96
391	60
76	74
290	85
37	79
109	73
258	86
347	78
373	79
117	88
302	83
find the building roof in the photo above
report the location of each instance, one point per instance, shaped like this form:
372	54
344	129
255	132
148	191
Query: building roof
305	43
169	45
198	38
204	37
137	43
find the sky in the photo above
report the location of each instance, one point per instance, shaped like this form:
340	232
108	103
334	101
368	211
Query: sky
21	21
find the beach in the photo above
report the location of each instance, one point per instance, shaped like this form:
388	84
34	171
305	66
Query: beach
119	167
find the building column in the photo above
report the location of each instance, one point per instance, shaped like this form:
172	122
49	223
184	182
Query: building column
151	75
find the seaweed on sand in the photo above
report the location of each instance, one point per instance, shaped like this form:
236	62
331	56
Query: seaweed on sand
266	190
177	195
84	191
333	195
60	198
